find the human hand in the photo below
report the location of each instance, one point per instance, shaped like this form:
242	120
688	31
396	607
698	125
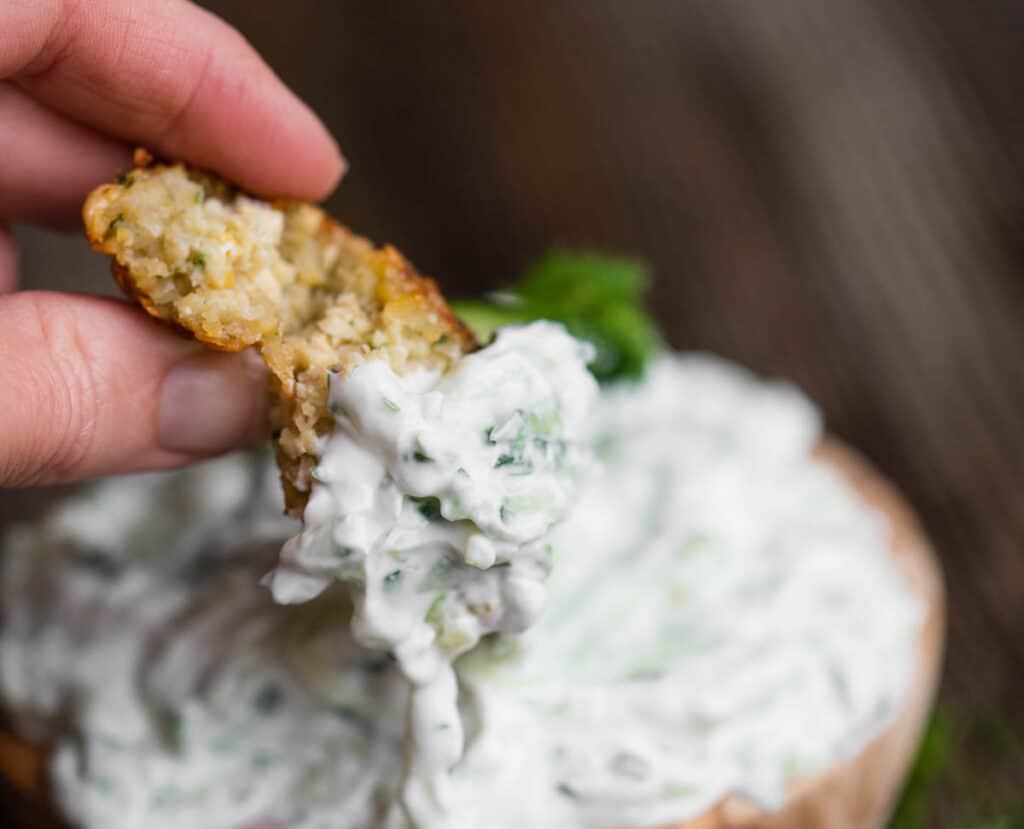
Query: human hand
88	386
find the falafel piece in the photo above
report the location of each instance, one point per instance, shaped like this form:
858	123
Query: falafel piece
236	271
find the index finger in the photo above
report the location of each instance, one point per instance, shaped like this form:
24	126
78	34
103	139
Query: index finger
176	78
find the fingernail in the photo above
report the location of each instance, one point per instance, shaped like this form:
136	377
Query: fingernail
211	402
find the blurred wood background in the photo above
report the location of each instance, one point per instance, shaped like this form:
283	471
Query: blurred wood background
827	190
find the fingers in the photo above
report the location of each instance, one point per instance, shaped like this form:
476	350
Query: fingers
89	386
169	75
49	164
8	260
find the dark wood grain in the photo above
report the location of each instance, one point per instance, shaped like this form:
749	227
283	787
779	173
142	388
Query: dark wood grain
827	190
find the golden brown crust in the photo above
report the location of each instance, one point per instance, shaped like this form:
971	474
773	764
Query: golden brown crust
235	272
858	793
127	285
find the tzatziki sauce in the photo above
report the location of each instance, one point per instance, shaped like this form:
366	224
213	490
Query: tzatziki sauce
723	613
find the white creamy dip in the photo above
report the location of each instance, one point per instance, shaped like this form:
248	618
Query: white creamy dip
432	500
723	616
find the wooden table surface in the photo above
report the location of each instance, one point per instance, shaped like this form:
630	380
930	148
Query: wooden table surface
827	190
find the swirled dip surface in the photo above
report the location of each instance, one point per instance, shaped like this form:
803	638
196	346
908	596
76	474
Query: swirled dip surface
722	616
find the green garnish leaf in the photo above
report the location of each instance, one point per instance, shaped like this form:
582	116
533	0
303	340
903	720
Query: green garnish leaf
566	789
197	259
419	457
597	297
391	404
126	180
392	578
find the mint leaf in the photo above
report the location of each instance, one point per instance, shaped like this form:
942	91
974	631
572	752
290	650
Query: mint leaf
598	298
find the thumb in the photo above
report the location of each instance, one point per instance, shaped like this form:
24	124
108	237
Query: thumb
89	386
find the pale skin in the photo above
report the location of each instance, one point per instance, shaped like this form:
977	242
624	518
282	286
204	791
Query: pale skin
90	386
